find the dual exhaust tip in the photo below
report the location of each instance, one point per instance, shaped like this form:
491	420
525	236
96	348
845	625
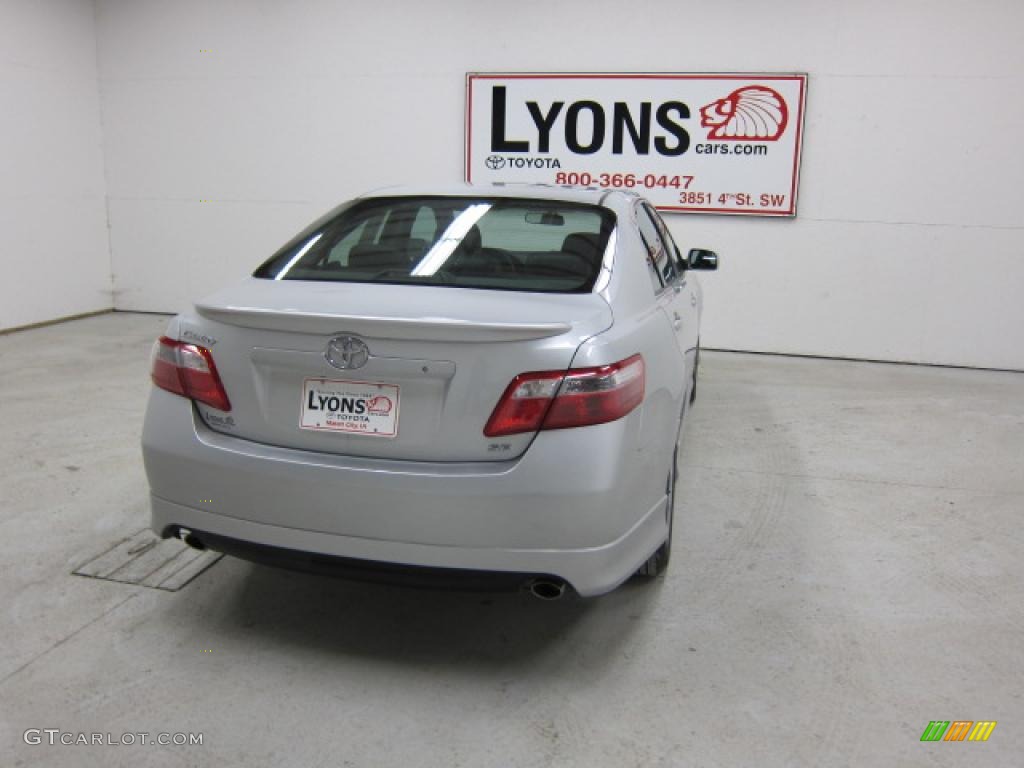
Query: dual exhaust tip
190	538
543	588
546	588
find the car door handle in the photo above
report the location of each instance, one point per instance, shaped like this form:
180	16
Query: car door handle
677	321
693	300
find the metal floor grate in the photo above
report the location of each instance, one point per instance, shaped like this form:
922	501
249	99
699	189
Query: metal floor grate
149	561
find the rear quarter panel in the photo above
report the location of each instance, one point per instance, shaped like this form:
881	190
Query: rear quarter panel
646	459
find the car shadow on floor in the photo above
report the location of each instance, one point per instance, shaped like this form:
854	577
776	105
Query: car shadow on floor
329	616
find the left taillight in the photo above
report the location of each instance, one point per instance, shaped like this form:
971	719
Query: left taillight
188	370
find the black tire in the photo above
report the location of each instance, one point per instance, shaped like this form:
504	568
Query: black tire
658	562
696	367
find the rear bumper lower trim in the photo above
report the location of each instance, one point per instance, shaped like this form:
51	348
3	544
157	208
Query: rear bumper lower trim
356	569
590	572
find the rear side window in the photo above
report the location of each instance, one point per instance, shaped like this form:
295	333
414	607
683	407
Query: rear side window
666	238
493	243
657	251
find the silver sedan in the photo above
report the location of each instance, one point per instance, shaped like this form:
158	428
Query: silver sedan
439	384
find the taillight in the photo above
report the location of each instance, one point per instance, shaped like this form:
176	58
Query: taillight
574	398
188	370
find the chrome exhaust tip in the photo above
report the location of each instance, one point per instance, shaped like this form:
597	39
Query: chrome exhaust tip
546	589
191	539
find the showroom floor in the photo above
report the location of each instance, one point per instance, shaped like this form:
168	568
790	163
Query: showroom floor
847	567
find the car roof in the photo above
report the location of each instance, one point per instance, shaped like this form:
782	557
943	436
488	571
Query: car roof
589	195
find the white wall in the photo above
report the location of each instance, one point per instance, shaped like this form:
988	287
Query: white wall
909	242
54	252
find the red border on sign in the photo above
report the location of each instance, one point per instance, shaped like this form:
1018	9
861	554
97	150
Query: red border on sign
797	150
469	126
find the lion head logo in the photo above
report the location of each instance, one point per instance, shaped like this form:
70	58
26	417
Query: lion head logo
753	113
379	405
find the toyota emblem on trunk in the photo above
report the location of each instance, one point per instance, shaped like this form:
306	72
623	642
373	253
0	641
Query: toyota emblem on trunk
347	352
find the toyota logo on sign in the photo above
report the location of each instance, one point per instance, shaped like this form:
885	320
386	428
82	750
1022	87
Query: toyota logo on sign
347	352
495	162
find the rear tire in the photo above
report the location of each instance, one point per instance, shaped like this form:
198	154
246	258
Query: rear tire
658	562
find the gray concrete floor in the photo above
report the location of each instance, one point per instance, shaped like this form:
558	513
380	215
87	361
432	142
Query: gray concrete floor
847	567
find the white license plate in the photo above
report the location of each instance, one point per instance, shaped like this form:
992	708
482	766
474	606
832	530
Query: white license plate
353	407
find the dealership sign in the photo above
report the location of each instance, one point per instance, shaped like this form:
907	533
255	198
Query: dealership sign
727	143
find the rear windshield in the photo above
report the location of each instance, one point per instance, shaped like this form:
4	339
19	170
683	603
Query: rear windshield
494	243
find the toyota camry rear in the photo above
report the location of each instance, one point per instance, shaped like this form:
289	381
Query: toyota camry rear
461	382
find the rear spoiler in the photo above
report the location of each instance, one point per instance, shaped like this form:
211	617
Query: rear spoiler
410	328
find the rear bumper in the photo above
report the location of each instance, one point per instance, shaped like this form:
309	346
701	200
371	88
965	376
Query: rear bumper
590	572
576	505
357	569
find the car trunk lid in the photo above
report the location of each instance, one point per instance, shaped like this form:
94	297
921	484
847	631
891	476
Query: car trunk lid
438	361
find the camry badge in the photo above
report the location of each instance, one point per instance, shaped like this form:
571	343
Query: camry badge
347	352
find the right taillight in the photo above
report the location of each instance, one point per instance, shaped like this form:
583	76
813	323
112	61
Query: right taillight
574	398
188	370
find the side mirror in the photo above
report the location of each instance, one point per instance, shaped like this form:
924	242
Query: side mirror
699	258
